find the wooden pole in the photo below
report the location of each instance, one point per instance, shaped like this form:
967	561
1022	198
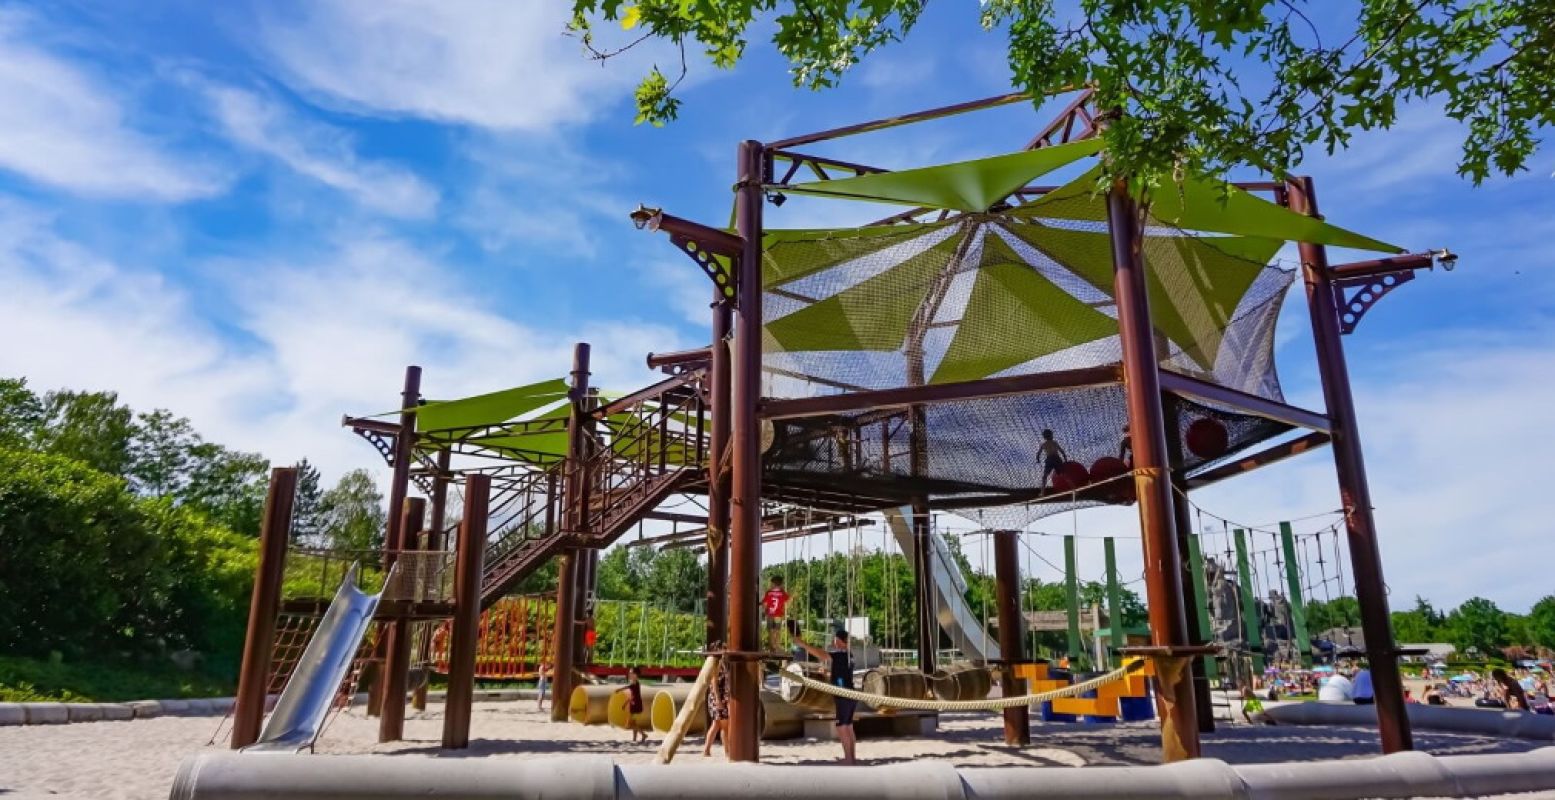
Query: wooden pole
1152	479
923	575
464	638
436	541
254	675
1371	590
688	712
1006	558
718	477
396	663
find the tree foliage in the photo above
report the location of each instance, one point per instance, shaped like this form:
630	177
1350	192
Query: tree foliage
1195	87
351	515
1479	624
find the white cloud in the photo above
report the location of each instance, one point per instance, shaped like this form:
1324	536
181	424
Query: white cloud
321	152
312	336
483	62
63	127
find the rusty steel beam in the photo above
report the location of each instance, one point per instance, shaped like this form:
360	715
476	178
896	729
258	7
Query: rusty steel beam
574	517
1375	267
1006	559
781	534
680	358
1262	458
892	122
938	393
1157	520
741	741
1186	386
716	628
713	240
259	640
650	392
1360	525
396	662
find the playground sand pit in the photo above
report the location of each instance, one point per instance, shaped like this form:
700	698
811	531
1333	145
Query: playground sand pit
137	760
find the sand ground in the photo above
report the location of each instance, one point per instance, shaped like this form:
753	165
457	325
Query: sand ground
137	760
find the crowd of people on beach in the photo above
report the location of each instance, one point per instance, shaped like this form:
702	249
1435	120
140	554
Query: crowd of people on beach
1521	688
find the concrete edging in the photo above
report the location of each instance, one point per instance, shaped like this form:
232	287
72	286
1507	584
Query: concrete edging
234	776
1515	724
64	713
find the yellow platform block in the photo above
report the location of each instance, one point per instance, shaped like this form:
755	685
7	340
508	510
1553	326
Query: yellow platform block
1037	687
1031	672
1086	706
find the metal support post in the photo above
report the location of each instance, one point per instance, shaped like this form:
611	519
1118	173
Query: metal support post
923	586
1114	597
1152	479
1006	559
462	641
396	660
564	631
741	739
718	476
254	674
1355	494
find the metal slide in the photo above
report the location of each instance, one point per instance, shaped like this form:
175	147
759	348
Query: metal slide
956	618
311	690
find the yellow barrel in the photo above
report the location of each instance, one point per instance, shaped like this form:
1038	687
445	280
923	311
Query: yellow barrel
780	719
589	704
903	682
666	706
803	696
616	711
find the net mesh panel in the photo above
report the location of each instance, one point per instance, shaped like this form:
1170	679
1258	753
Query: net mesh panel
993	296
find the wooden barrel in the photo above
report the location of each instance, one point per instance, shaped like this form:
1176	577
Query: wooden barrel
896	682
945	684
974	682
615	712
804	696
666	706
590	704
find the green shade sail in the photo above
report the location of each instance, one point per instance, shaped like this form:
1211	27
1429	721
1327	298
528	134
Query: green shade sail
491	408
1195	283
963	186
872	315
1015	315
806	252
1200	205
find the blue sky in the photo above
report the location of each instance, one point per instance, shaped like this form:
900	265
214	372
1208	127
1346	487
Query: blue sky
256	213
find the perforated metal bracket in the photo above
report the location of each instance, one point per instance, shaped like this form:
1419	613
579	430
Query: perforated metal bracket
1355	296
723	279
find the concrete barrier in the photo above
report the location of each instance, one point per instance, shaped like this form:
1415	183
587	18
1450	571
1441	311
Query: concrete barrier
46	713
1517	724
12	714
233	776
144	709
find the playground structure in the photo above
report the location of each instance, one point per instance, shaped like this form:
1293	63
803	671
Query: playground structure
903	368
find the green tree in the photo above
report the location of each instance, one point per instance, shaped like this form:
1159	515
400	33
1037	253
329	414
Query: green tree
308	506
1541	622
1419	624
351	515
1340	612
1198	87
90	427
676	580
161	453
1479	624
228	486
21	414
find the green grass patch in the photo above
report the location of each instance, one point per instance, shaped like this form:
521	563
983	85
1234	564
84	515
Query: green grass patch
27	680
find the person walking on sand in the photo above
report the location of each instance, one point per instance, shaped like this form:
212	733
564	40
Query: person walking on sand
542	685
842	677
634	704
1051	454
717	704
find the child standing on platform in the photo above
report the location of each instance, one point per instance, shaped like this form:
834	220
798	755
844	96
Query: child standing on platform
775	605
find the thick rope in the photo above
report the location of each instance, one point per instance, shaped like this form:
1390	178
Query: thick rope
995	704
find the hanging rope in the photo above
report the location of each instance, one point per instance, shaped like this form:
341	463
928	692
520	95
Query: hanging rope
992	704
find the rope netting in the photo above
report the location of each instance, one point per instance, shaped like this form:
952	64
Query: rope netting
991	704
994	295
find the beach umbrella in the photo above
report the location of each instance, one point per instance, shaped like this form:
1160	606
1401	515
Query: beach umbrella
1463	678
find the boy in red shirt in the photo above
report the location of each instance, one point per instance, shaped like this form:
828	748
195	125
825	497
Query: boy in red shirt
775	604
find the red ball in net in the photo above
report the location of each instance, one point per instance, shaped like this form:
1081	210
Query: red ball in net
1107	467
1075	472
1207	438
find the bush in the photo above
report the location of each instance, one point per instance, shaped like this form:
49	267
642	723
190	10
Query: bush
91	570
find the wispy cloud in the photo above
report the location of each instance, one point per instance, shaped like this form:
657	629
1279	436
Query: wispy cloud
319	151
64	127
483	62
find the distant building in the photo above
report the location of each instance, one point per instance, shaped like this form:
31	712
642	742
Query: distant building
1434	651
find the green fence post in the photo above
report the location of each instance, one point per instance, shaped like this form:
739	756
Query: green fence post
1298	611
1249	602
1201	600
1072	596
1114	598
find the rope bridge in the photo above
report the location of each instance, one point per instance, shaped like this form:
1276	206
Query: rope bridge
994	704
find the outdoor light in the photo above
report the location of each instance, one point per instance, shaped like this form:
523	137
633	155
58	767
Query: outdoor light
646	219
1447	258
777	198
